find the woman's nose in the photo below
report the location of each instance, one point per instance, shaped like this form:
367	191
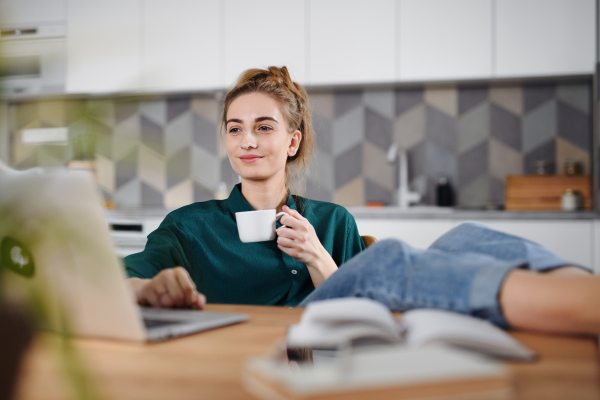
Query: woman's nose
248	141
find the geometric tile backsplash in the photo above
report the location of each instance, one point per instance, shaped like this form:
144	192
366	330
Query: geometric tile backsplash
165	151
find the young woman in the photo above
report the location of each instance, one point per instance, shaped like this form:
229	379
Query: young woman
196	254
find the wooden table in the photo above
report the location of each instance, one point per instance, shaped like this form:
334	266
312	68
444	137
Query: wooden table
207	365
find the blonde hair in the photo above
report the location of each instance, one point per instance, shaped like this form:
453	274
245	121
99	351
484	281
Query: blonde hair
293	102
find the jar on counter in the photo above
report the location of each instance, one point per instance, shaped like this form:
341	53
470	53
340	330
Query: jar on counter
571	200
573	167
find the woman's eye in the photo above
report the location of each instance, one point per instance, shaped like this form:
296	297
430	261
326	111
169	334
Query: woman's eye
234	130
264	128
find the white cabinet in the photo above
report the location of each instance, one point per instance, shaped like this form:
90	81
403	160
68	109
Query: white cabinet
351	41
419	233
25	13
103	46
542	37
180	45
444	40
261	33
573	240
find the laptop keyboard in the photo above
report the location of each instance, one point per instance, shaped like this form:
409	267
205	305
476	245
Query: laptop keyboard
155	323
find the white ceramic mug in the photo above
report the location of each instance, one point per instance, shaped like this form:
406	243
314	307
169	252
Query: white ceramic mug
257	226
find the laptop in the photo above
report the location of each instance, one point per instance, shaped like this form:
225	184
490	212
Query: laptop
54	238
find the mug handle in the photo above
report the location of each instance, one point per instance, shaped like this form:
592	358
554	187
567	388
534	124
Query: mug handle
279	215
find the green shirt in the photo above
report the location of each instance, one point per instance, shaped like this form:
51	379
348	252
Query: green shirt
203	238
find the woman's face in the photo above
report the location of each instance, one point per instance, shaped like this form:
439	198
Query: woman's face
258	141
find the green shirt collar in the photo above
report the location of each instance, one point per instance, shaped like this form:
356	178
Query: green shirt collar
236	202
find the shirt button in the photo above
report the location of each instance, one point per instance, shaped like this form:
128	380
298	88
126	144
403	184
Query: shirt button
294	272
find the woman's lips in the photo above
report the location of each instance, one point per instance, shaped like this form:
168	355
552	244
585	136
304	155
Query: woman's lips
250	158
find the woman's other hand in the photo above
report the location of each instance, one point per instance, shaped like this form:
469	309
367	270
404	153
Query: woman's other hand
172	287
298	239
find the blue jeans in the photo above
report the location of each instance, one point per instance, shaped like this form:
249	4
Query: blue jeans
462	271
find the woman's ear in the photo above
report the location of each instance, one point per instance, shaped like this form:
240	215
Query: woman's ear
295	140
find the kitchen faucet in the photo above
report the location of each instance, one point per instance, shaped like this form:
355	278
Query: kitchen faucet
404	196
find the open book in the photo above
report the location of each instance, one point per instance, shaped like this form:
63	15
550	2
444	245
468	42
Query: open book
335	352
339	322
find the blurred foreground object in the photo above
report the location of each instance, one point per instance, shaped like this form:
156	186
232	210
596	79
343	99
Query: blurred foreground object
544	193
16	333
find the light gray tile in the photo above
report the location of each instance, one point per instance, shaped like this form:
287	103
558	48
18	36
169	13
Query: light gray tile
346	101
496	191
407	99
322	170
348	166
574	126
440	162
469	97
125	109
156	111
129	195
179	133
476	193
151	197
539	126
535	95
228	175
381	101
126	168
348	131
316	191
378	129
126	136
472	165
102	110
409	128
377	168
323	132
376	193
202	193
152	135
441	128
205	168
177	106
473	127
506	127
577	96
178	167
205	133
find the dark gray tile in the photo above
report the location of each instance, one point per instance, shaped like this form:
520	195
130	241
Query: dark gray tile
316	191
407	99
25	113
378	129
546	152
496	191
152	135
430	194
472	164
473	127
346	101
348	166
126	168
574	126
323	132
201	193
475	194
179	167
228	175
205	134
441	128
151	197
74	110
176	107
376	193
125	109
440	162
539	126
469	97
505	127
535	95
417	161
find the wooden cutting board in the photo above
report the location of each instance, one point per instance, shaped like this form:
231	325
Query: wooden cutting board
541	192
